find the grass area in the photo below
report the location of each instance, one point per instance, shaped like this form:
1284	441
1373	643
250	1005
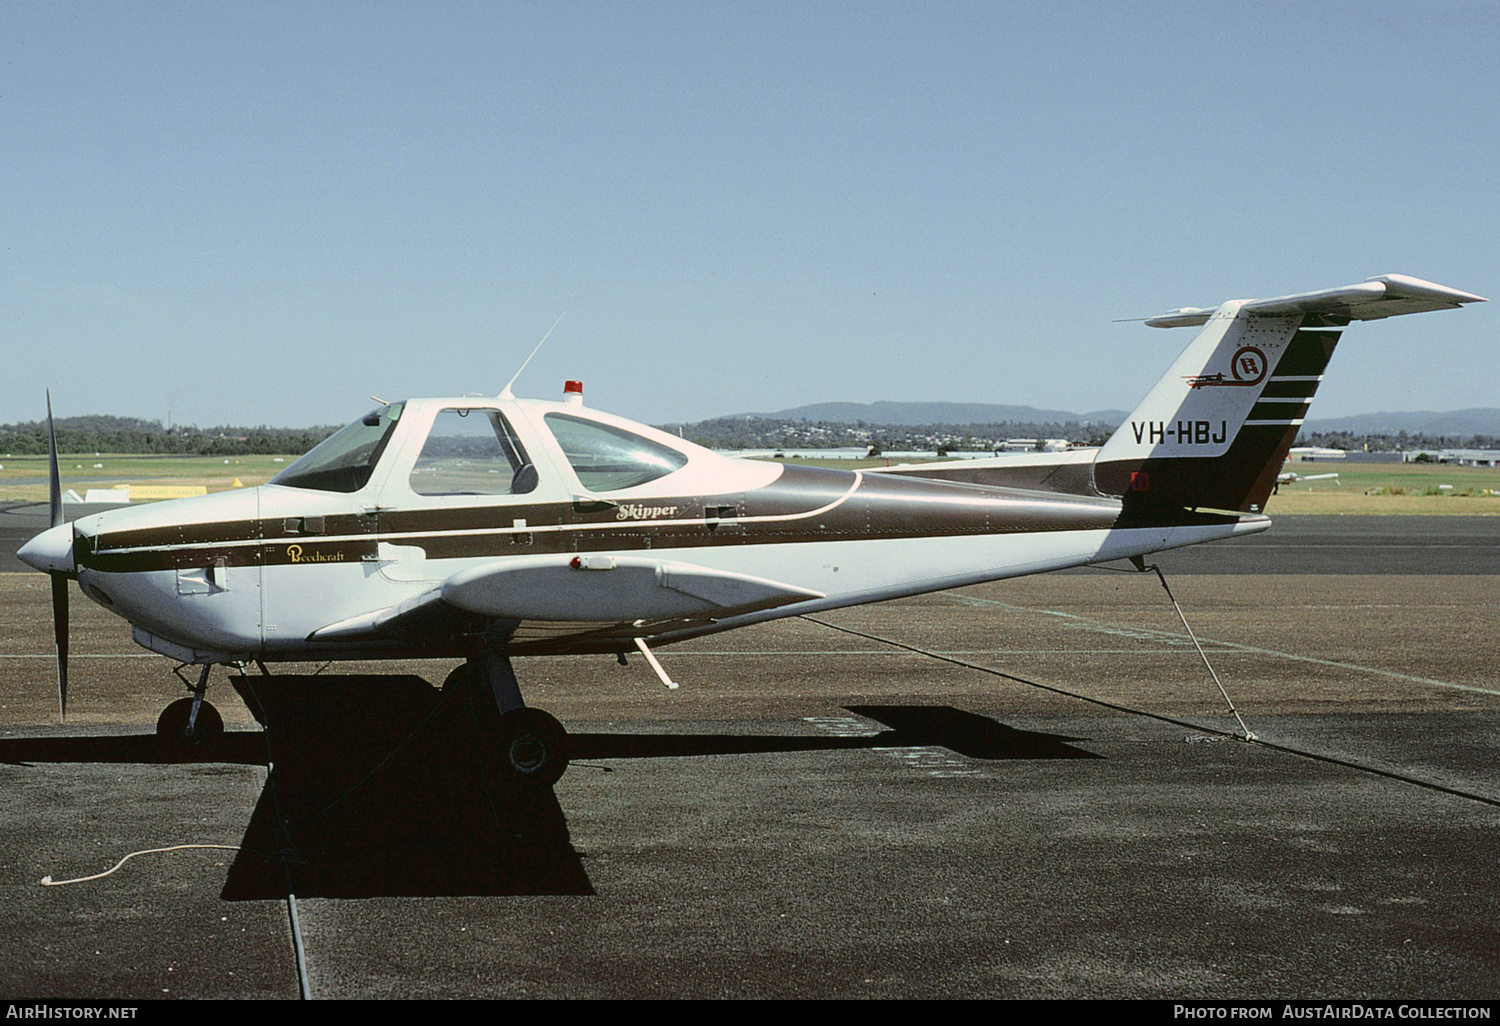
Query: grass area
1396	488
25	477
1390	488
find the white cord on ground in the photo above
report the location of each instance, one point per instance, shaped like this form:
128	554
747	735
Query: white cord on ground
47	881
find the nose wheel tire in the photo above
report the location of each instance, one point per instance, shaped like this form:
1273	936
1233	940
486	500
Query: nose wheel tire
172	726
533	747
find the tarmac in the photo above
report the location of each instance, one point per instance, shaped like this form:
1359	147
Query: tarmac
1029	789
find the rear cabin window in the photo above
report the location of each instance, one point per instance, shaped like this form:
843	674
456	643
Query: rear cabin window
607	459
472	452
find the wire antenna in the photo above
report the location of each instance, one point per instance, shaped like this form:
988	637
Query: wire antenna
506	393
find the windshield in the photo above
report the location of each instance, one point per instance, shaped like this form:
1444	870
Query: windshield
344	461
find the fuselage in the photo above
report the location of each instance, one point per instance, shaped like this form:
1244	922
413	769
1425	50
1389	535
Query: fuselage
424	492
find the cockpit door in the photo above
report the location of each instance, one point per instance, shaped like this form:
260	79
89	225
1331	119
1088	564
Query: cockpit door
469	488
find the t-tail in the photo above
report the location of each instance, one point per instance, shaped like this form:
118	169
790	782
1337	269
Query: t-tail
1214	431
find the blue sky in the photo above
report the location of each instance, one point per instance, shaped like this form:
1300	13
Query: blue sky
265	213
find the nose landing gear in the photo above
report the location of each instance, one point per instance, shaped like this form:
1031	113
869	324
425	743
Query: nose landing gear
189	723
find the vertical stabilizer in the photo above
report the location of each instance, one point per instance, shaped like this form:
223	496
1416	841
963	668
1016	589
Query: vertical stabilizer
1215	430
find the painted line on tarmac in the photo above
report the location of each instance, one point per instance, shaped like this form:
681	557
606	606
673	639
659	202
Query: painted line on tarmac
878	652
717	653
75	655
1231	646
844	726
1383	546
934	760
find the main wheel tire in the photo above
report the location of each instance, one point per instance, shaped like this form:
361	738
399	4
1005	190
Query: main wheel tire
171	726
533	747
457	678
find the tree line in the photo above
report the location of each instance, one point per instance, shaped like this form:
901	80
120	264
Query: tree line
1402	441
100	433
773	433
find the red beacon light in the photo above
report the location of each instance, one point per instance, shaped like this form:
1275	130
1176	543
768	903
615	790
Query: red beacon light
573	392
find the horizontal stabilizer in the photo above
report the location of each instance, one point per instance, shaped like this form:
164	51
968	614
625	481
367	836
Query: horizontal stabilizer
1387	295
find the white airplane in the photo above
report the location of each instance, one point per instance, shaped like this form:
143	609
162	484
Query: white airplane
1292	477
484	529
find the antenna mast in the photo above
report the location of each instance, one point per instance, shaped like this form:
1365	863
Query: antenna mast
506	393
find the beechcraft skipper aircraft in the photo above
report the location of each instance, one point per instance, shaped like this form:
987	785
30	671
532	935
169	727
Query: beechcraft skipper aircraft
484	529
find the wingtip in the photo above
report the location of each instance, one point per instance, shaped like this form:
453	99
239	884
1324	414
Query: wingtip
1406	285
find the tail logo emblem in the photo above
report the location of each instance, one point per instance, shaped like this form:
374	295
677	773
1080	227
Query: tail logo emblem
1246	367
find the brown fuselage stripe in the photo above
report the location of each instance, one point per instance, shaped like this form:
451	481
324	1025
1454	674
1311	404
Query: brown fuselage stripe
805	504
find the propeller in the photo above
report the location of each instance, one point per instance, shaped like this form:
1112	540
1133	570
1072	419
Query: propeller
52	552
59	578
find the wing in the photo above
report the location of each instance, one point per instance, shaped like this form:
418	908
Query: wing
554	604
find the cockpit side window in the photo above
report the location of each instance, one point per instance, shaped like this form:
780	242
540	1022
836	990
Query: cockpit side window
472	452
344	461
607	458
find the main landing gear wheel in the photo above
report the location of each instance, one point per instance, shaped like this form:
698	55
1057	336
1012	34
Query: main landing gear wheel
172	727
533	747
529	746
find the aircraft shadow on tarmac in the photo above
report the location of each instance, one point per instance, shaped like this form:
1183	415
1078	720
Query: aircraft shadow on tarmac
379	784
911	726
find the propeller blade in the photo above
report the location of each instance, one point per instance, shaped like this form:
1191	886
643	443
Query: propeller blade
59	581
60	630
54	479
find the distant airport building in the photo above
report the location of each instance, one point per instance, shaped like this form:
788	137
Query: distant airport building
1456	457
1316	452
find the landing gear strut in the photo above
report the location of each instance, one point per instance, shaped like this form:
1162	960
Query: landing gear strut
190	722
532	746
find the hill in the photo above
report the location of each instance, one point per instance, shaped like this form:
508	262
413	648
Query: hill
1454	423
917	414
